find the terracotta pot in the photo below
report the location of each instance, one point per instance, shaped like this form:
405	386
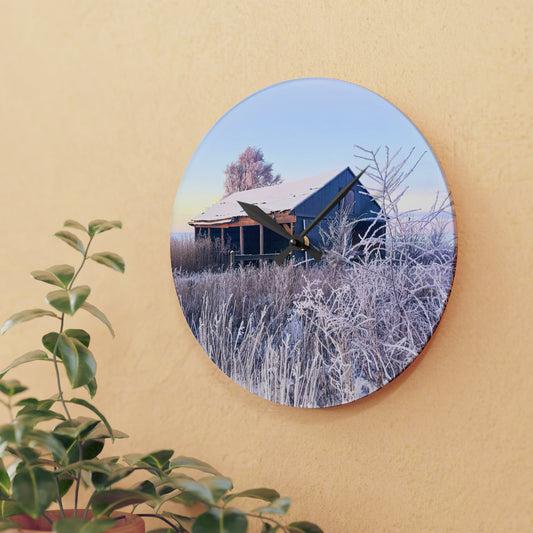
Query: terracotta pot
130	523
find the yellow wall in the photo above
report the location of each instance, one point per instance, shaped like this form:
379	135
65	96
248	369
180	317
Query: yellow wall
101	106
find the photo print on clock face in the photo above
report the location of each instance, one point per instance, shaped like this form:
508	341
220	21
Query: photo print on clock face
346	307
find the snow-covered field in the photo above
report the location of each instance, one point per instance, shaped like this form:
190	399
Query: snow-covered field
319	336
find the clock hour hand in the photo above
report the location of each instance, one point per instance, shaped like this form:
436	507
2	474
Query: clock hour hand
283	255
295	242
264	219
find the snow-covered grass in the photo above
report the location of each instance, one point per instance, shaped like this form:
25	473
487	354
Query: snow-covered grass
319	336
188	255
335	331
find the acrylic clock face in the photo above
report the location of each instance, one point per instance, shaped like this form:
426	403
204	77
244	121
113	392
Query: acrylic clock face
313	244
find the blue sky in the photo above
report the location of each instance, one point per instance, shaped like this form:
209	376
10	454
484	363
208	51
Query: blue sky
304	127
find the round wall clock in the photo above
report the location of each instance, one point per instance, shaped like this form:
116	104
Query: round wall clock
313	243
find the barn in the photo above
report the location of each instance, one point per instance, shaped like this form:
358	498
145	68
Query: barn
292	204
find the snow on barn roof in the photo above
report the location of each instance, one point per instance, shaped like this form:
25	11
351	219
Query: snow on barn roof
282	197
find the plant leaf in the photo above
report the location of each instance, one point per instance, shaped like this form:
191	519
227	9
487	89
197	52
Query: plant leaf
59	275
35	355
15	432
103	480
98	526
91	407
110	260
91	449
92	387
100	225
87	450
101	432
279	506
29	455
5	482
48	441
196	464
10	387
68	301
217	485
74	224
78	360
24	316
9	508
99	315
304	527
34	416
80	335
80	427
71	240
60	300
31	404
79	525
158	459
193	488
50	339
267	495
103	503
34	489
89	465
171	483
147	487
221	521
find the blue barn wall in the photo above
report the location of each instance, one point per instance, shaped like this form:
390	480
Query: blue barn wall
365	206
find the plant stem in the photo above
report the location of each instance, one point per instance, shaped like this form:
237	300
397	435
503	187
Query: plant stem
168	522
77	492
88	506
54	353
58	377
81	264
261	517
9	407
78	477
59	498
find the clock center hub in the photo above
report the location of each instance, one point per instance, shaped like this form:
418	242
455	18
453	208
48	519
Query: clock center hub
299	243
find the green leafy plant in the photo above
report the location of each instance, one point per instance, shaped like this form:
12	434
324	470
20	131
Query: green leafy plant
47	452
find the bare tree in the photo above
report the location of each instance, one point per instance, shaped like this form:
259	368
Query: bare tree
250	171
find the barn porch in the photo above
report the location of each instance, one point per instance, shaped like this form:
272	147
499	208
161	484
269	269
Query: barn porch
245	236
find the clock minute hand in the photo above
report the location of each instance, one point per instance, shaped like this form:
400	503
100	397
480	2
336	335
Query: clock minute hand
338	197
317	255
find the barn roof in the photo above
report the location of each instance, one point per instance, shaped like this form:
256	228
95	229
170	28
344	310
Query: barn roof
282	197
